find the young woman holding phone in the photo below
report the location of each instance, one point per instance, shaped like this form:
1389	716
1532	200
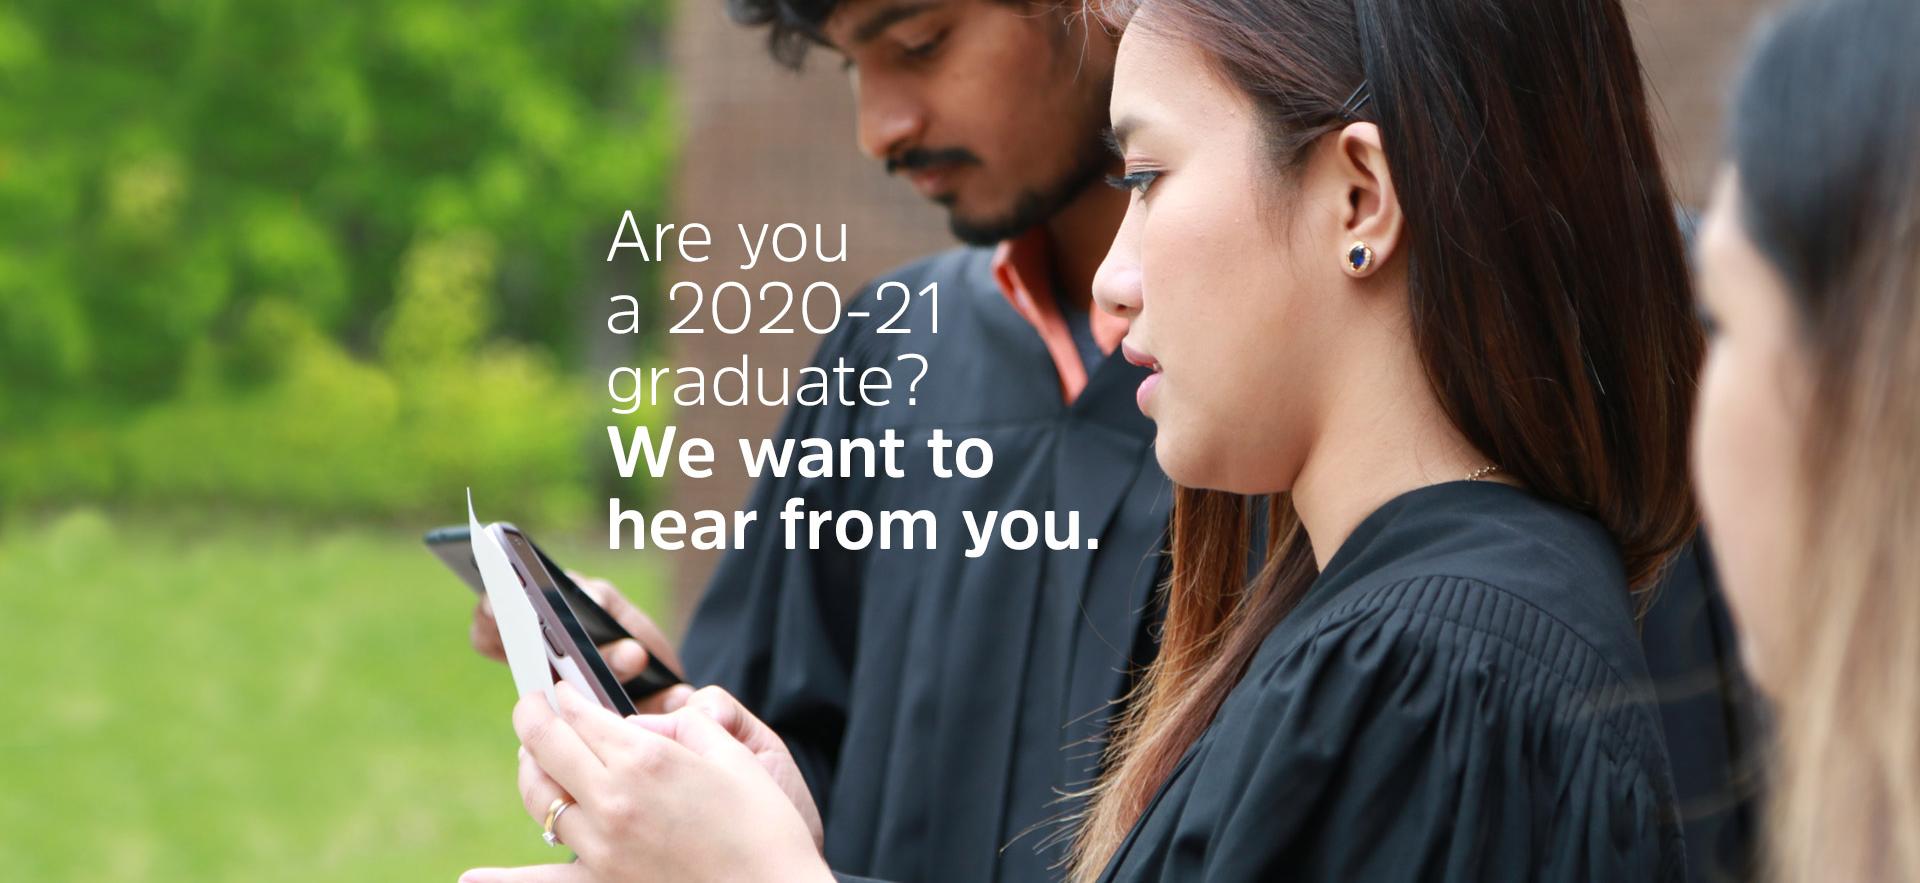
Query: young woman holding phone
1409	278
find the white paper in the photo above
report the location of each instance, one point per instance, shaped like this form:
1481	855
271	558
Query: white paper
512	612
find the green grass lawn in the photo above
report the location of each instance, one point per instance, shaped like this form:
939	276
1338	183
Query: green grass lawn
235	700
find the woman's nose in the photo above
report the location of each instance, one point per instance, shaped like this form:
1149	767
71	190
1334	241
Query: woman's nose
1116	285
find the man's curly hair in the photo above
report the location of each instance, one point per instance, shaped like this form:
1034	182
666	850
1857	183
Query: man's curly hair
793	26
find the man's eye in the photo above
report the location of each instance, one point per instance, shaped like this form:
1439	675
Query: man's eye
925	48
1137	182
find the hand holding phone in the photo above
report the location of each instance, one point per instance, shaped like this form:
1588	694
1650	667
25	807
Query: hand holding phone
628	656
624	635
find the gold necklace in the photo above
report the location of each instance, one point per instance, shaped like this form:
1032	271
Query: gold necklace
1482	472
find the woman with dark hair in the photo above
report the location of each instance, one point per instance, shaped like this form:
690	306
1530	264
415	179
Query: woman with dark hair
1408	277
1809	432
1377	246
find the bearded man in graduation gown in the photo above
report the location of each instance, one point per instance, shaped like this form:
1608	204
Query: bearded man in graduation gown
939	706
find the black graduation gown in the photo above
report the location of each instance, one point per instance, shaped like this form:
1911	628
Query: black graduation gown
1460	696
1715	719
938	703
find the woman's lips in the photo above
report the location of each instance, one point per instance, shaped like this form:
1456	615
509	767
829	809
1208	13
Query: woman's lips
1144	394
1137	357
1147	386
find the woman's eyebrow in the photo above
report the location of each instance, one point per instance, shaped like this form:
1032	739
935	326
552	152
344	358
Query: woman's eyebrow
1117	134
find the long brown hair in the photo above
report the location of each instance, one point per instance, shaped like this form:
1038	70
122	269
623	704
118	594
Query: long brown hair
1548	293
1826	142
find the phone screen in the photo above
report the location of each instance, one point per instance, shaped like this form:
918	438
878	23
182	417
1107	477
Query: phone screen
569	648
450	545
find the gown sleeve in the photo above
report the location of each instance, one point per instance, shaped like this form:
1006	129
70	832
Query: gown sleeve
1418	743
776	626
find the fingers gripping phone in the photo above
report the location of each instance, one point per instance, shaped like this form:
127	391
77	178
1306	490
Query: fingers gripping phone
574	626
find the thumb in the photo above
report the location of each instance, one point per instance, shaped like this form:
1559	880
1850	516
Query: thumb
722	708
675	697
707	738
734	717
626	658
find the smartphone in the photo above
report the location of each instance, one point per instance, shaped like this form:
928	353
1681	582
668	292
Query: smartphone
596	625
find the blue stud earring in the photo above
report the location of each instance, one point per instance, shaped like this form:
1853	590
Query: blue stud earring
1359	259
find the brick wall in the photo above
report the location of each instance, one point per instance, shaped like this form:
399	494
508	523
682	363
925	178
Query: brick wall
1690	49
766	145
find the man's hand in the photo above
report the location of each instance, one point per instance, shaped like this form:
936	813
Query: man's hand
485	633
626	658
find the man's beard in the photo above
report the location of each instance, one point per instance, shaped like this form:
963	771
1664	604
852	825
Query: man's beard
1035	206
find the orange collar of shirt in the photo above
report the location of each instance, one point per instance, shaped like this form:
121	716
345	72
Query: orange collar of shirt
1023	268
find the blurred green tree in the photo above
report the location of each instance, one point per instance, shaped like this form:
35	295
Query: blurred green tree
335	256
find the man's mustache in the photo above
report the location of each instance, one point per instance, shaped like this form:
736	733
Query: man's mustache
917	158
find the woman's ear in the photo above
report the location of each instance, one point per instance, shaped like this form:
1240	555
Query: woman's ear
1370	214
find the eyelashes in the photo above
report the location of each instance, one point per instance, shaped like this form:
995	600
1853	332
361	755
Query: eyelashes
1137	182
905	53
1709	324
923	51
